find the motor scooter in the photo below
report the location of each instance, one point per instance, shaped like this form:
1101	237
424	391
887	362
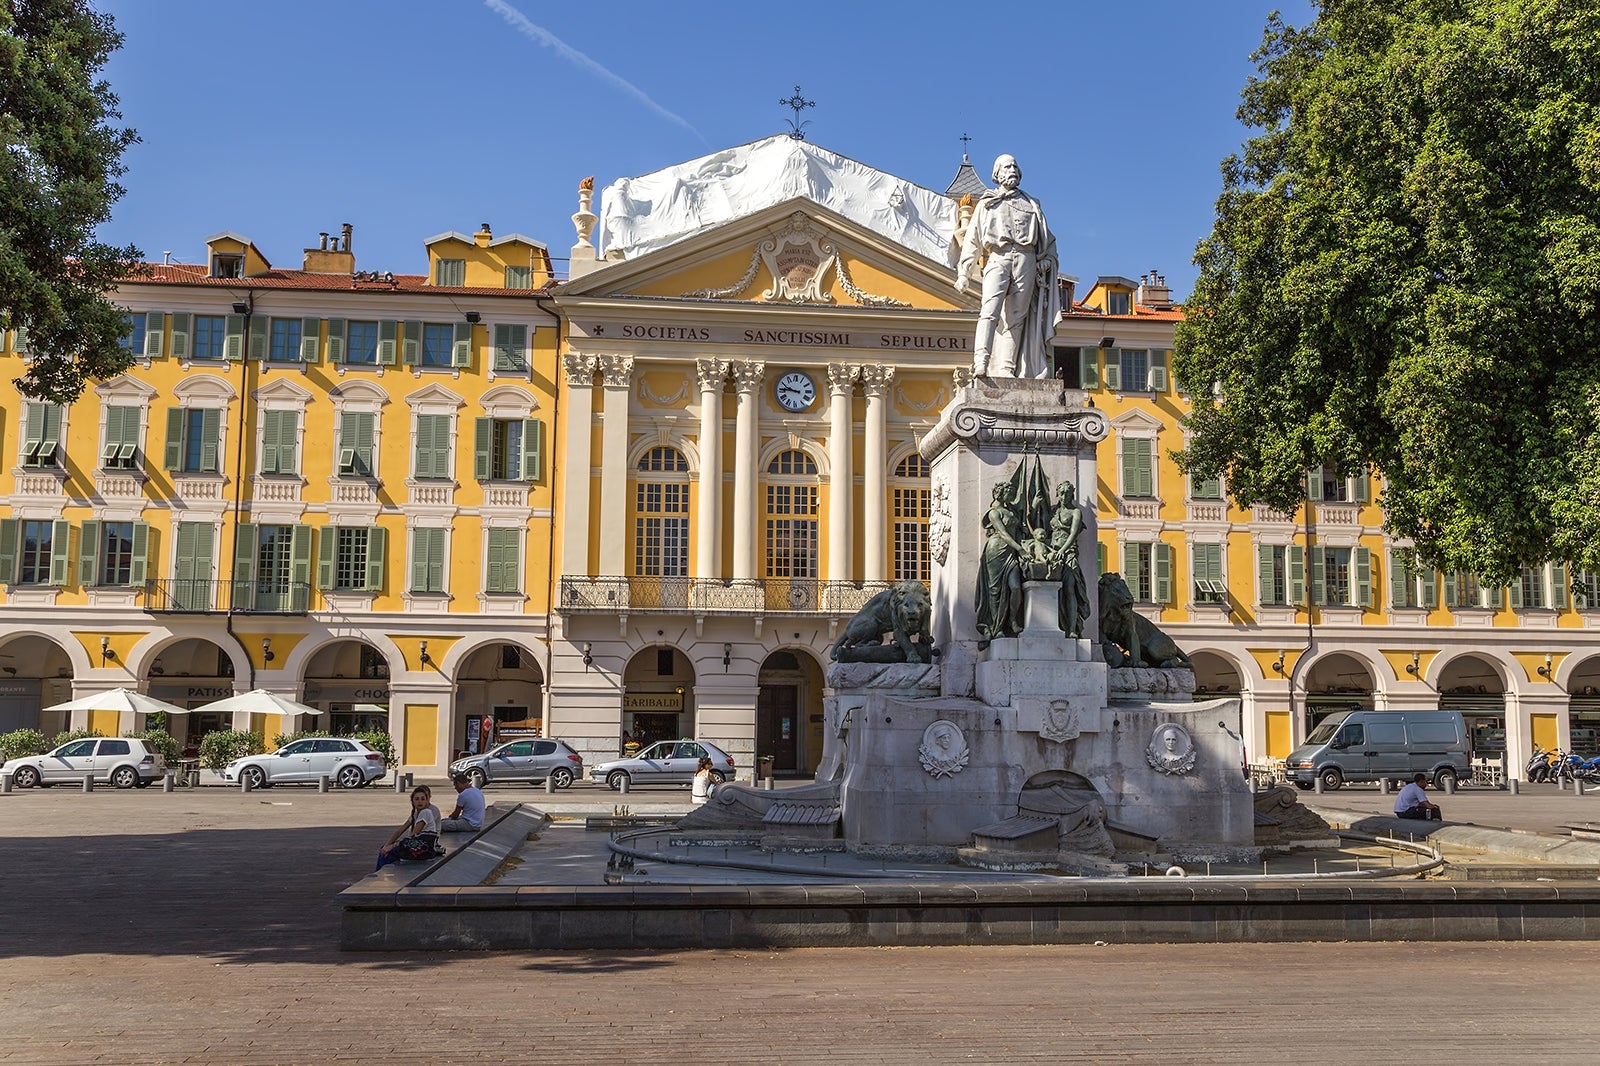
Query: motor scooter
1538	768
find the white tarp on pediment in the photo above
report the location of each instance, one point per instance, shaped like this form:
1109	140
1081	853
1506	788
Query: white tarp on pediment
654	210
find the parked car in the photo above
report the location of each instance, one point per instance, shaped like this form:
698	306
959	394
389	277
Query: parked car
532	761
125	762
351	763
666	762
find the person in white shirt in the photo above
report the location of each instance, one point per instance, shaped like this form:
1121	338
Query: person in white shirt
470	805
1413	801
700	788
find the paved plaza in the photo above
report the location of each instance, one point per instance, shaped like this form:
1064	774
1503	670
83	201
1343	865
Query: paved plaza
199	927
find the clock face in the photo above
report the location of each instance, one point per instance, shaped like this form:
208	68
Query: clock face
796	391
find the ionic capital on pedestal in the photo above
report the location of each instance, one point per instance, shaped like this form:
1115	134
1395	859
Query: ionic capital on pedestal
712	374
747	375
616	371
842	376
875	379
579	368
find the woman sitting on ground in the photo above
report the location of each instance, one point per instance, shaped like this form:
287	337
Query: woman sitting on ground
700	789
418	835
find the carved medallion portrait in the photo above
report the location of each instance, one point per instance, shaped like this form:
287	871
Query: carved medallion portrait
1171	749
944	749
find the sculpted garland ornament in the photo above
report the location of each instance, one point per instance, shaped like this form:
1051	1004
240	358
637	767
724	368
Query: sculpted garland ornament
944	750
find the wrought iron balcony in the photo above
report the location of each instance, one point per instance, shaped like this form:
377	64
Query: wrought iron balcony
186	596
688	595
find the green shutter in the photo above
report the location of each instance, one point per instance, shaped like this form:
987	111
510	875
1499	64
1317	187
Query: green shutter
310	339
9	528
60	552
19	340
180	334
1363	582
355	443
327	550
375	559
435	560
233	342
366	423
494	563
1099	558
1430	589
1516	589
510	346
1558	586
1264	559
1319	575
89	556
1158	370
461	348
175	427
387	329
1206	488
1138	467
1114	369
411	344
210	427
532	448
502	572
1451	595
244	565
1297	574
33	431
258	339
1088	368
1399	578
433	446
1163	568
155	329
1130	566
336	338
1314	484
141	555
482	442
300	567
1497	597
427	560
1361	484
271	434
183	561
288	441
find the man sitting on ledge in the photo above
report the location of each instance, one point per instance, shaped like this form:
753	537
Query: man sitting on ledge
470	805
1413	801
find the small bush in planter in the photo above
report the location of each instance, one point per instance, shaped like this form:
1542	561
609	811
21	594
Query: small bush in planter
22	742
221	746
289	738
162	741
381	742
68	735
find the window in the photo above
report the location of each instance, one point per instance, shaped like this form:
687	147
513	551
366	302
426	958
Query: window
1136	370
285	346
661	520
113	553
34	552
1464	590
134	340
507	449
502	561
433	446
1209	586
434	344
361	342
437	339
1325	485
1088	368
1138	467
192	566
272	567
1205	488
121	448
1411	586
1528	589
356	443
450	272
1272	581
519	277
192	439
427	560
1119	303
41	441
1341	576
792	518
210	333
280	438
1586	590
1147	568
227	265
351	558
510	347
911	505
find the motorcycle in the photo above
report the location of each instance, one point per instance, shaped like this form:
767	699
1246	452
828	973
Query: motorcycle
1538	768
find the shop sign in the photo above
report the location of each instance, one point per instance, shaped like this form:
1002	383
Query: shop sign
346	693
652	701
170	692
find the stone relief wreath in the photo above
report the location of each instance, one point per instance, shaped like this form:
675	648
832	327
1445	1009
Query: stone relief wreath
1171	751
944	749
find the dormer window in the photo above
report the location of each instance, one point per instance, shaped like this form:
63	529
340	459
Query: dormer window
450	272
1119	303
227	265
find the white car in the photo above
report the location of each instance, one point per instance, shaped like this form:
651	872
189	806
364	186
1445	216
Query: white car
350	763
125	762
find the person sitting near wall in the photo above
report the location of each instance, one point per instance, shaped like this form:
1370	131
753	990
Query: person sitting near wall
470	805
1413	802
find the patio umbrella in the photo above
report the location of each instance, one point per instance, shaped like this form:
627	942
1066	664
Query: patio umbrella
119	699
258	701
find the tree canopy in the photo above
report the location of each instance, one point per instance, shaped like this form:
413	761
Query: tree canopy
62	154
1404	276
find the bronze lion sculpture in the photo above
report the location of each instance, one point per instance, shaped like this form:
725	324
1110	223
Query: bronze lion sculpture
1127	638
902	610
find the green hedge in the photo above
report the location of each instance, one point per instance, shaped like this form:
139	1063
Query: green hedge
221	746
22	742
67	735
162	741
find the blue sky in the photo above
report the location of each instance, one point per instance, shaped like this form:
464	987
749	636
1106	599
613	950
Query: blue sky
407	118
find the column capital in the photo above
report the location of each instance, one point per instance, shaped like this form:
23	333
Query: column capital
616	371
712	374
747	375
841	376
579	368
962	376
876	378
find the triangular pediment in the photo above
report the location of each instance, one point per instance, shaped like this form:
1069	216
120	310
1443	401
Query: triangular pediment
796	254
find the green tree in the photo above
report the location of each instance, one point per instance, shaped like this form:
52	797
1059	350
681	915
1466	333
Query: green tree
63	154
1404	276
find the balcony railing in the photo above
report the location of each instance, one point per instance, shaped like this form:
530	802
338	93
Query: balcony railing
183	596
686	595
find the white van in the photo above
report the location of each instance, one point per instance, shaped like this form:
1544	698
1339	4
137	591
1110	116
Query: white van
1377	745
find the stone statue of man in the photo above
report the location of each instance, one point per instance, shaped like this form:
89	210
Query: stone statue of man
1009	241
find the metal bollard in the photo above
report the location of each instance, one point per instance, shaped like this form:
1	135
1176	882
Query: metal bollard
88	782
624	788
1383	785
1577	786
550	786
322	784
5	784
1316	784
410	780
168	780
399	783
244	784
1449	786
1515	786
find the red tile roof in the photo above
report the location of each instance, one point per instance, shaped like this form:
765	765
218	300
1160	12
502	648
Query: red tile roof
195	274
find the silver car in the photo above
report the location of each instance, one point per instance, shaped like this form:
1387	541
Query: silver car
349	762
667	762
523	760
125	762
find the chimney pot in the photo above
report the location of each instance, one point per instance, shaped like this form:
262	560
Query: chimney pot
345	229
324	240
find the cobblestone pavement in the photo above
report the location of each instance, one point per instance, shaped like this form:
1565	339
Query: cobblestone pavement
198	927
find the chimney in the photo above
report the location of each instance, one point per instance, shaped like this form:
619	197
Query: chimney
1153	291
483	236
345	231
328	258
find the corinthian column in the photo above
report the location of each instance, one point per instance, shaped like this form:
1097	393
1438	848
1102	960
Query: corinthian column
713	375
580	424
616	371
841	384
875	381
747	376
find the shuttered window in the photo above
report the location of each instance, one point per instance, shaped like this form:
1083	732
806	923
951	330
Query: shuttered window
356	429
193	440
41	443
121	448
427	560
280	438
510	347
519	277
1138	467
502	561
433	446
507	449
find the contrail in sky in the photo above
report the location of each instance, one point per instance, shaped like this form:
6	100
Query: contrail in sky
543	36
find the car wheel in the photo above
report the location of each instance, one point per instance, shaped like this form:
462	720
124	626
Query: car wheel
717	778
477	777
351	777
1445	779
26	777
144	782
1331	779
124	777
254	776
562	777
616	779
